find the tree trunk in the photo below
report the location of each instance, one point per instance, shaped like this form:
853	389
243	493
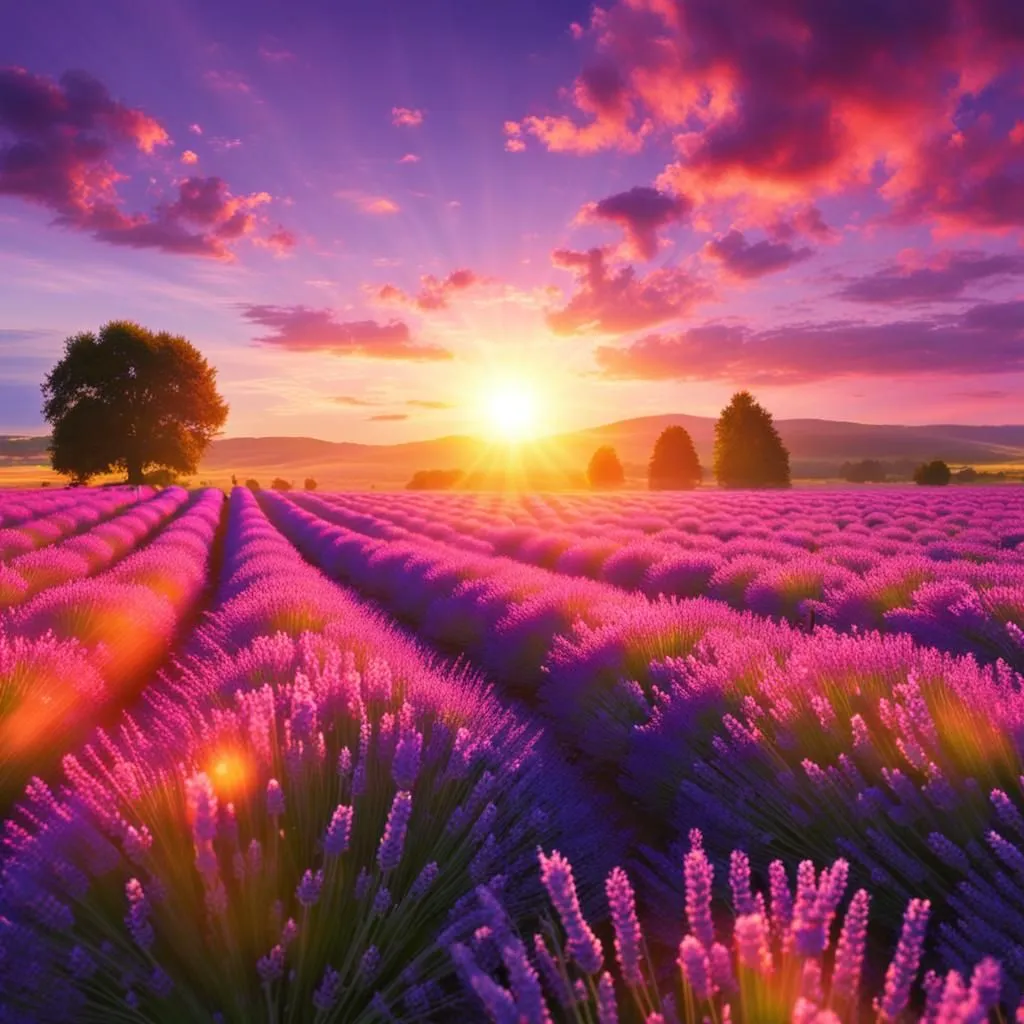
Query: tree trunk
135	472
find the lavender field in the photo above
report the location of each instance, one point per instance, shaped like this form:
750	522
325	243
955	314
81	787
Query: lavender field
638	757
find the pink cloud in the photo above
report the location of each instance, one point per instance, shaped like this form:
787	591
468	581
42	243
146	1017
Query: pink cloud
769	101
280	242
189	157
747	260
406	117
434	292
195	129
301	329
409	158
619	301
227	81
276	55
984	339
641	212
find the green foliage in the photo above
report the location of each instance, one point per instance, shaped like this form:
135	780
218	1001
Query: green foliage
932	474
434	480
253	484
748	449
280	484
309	484
867	471
604	469
129	399
161	477
674	464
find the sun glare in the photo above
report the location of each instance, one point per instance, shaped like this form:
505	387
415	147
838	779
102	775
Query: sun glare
511	410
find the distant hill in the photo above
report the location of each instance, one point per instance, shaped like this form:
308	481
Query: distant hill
817	448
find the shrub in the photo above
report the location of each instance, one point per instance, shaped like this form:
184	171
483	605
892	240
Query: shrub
932	474
867	471
280	484
252	484
309	484
434	480
604	469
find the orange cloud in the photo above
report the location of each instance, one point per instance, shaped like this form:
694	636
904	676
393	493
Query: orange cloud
434	292
367	203
189	157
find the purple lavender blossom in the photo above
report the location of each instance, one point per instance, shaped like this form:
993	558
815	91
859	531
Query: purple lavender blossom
628	937
389	853
583	945
902	971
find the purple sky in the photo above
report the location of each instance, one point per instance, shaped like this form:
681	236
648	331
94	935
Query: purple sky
370	215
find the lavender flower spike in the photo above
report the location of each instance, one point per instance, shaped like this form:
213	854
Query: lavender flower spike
696	967
902	971
698	875
389	853
607	1007
275	799
308	890
339	831
628	937
852	943
583	945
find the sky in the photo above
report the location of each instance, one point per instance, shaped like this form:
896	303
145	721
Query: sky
375	217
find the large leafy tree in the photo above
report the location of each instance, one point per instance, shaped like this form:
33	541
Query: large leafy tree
748	449
130	399
604	469
674	464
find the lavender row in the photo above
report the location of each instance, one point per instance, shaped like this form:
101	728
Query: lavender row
302	765
51	523
889	522
964	605
74	649
903	759
89	552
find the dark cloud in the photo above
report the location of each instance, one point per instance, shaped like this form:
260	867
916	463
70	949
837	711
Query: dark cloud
301	329
618	301
58	141
641	212
746	260
947	276
986	339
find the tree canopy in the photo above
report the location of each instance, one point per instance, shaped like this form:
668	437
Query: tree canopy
129	399
933	474
748	449
604	469
674	464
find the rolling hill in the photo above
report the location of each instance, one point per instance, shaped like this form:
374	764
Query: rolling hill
817	448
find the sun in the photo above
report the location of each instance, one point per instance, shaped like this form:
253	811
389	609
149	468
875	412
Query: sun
511	409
